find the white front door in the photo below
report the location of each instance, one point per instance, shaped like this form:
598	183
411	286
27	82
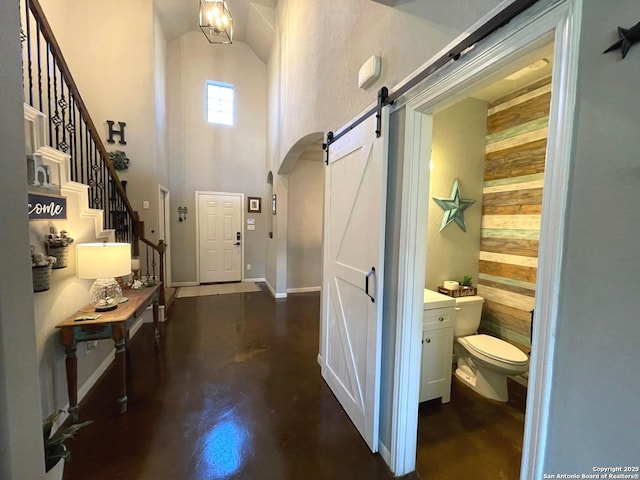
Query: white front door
220	237
355	200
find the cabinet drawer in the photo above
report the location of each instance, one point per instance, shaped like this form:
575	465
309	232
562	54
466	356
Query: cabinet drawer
438	317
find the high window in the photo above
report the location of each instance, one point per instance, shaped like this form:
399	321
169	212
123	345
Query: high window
219	103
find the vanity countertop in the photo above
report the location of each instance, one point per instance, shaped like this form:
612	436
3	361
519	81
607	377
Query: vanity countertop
437	300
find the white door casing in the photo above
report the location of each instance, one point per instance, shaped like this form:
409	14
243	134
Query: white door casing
354	229
164	230
219	237
558	19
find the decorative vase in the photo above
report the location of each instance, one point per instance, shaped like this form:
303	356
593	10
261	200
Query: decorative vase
41	277
61	254
56	472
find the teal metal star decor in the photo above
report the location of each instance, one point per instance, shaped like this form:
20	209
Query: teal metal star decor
454	208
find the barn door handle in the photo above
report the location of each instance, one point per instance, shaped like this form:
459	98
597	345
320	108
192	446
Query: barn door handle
366	282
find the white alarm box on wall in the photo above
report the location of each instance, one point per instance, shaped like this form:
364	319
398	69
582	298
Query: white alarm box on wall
369	72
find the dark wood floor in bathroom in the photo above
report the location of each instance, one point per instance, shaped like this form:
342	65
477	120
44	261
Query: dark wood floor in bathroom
234	392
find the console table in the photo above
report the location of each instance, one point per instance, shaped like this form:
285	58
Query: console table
114	324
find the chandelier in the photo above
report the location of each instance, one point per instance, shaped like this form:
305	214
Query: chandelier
215	21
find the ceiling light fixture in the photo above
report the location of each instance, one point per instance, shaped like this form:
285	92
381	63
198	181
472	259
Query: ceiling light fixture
215	21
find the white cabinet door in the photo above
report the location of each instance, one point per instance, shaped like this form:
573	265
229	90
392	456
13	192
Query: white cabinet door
435	374
354	227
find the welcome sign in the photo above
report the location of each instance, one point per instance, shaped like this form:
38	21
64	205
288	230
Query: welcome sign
47	207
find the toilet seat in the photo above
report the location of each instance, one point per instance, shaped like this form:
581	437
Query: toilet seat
496	349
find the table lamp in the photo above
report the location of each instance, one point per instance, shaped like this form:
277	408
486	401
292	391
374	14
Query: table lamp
102	262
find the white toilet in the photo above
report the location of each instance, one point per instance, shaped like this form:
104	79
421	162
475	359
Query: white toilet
483	361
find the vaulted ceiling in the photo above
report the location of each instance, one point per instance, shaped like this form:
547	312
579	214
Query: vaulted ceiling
253	21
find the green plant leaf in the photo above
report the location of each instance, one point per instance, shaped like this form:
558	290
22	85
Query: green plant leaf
54	447
61	436
467	281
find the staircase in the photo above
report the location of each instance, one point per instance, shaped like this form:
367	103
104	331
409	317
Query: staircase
68	152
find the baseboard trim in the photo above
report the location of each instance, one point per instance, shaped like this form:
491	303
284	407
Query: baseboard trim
95	376
273	292
384	452
304	289
196	284
184	284
86	386
149	318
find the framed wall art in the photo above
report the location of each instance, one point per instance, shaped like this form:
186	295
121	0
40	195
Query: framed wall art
254	204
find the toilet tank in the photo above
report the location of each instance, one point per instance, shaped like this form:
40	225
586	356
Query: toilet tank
468	313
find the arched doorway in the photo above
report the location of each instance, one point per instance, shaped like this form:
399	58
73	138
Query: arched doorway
304	232
306	217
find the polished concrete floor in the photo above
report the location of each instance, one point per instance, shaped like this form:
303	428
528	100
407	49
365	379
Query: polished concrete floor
471	437
234	392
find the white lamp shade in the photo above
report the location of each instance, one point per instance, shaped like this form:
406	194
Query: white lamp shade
103	260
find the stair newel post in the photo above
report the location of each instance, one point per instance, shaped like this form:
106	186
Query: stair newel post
138	232
161	249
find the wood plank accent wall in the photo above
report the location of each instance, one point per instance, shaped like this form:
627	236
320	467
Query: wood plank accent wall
517	128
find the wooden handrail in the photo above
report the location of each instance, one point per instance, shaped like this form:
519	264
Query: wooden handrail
138	226
47	32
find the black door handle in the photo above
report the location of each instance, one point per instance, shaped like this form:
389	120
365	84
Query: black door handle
366	282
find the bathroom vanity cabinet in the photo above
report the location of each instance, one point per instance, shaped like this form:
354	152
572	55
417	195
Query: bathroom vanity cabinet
437	347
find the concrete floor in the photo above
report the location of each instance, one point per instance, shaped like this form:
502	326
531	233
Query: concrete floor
234	392
471	437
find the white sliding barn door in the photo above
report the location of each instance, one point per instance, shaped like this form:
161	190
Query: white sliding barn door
219	237
354	227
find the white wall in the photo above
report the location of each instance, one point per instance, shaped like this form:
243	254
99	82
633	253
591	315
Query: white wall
320	46
458	151
312	74
21	454
593	410
304	226
112	49
65	296
115	52
594	416
160	100
209	157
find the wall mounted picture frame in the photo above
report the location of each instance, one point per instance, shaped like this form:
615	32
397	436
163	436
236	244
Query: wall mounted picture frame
273	204
254	204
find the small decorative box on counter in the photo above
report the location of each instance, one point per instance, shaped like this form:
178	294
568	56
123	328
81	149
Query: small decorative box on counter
459	292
